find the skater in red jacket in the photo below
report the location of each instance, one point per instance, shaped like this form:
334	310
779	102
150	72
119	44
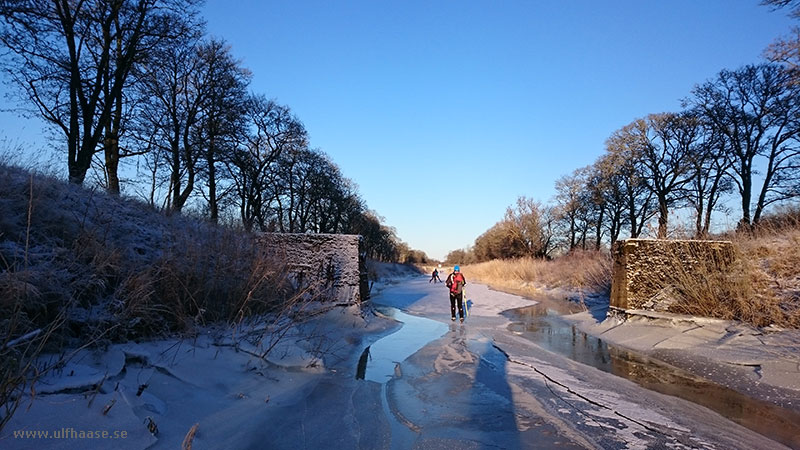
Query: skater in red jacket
456	281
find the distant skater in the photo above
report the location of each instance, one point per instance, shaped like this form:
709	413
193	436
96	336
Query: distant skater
435	276
456	281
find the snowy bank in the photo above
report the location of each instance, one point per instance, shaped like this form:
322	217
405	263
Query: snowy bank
221	385
766	361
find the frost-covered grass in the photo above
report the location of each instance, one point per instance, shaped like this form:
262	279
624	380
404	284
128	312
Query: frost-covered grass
762	286
79	267
116	261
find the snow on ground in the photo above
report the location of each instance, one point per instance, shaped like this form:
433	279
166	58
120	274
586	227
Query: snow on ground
771	356
478	385
155	392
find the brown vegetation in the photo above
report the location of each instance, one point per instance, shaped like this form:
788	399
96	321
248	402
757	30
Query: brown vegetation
762	286
81	268
107	260
578	271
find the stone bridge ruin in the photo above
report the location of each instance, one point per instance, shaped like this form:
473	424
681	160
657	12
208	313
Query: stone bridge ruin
641	268
329	265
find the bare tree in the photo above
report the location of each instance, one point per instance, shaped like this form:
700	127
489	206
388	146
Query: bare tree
192	113
667	141
756	108
224	115
528	229
794	5
709	163
273	132
461	256
605	192
574	206
380	241
310	193
532	227
786	49
299	172
501	241
71	61
624	160
329	200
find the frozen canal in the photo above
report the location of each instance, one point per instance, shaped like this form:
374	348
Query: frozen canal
528	379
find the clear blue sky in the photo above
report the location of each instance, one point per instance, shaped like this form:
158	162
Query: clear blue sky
444	112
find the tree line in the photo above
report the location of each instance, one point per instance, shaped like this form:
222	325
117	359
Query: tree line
140	81
737	138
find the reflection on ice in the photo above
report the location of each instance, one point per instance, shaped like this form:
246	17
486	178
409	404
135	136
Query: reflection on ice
557	335
378	361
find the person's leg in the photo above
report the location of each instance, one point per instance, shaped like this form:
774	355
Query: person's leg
452	306
461	306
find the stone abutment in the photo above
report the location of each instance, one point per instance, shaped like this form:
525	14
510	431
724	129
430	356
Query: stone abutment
330	266
645	269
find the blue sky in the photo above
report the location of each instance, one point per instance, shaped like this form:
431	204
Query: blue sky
444	112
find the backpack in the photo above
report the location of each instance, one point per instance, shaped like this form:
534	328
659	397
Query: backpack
457	282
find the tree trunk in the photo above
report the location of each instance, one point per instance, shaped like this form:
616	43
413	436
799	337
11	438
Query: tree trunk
632	218
212	182
175	176
111	146
663	217
699	209
111	149
747	184
598	230
572	233
182	195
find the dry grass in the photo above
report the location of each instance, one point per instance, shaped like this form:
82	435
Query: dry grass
109	260
189	438
22	339
579	271
82	268
705	289
762	286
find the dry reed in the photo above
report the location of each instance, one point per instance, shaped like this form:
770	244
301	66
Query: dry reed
761	286
578	271
81	268
189	438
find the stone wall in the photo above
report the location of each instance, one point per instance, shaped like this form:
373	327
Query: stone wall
329	265
643	269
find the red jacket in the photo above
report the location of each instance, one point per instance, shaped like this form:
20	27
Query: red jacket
456	281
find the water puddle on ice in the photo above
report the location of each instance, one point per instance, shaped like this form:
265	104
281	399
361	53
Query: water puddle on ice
543	326
378	361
